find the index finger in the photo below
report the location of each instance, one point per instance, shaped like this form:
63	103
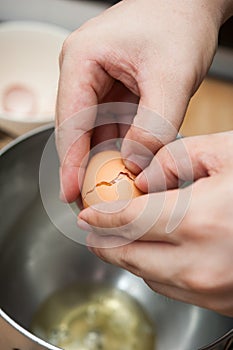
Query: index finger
82	82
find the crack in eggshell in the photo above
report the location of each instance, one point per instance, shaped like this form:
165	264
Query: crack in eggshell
110	183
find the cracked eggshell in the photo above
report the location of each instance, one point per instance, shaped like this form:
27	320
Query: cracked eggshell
107	179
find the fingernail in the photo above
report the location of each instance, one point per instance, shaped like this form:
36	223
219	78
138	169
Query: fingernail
140	161
84	225
139	179
141	182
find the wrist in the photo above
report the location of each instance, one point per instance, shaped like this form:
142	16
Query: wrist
223	10
216	10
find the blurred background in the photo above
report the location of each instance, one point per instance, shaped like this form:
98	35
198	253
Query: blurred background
210	110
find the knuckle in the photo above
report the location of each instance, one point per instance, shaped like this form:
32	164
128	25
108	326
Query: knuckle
203	280
190	280
166	160
67	43
125	217
127	223
194	282
127	260
101	253
189	224
73	41
193	222
99	221
200	224
65	47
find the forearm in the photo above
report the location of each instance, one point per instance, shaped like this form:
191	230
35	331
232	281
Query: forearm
219	10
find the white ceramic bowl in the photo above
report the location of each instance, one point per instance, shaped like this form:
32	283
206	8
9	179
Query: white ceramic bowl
29	73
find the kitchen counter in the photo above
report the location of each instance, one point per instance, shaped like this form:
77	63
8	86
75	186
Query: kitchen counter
210	110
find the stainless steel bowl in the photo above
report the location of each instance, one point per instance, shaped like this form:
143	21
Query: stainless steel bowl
36	260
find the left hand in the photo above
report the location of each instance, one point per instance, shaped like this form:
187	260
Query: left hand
193	263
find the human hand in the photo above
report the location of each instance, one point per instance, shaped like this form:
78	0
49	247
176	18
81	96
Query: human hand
193	261
156	52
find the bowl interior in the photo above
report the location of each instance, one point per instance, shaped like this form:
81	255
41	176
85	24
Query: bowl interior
36	259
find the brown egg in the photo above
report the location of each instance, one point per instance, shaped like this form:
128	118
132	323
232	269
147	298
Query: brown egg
107	179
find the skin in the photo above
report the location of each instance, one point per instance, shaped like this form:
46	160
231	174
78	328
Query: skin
154	53
192	263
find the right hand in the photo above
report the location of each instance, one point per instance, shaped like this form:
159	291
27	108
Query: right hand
156	52
179	241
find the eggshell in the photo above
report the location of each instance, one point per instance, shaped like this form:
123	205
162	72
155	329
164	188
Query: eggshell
107	179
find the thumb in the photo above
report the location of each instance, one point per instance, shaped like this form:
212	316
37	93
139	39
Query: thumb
187	159
160	113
